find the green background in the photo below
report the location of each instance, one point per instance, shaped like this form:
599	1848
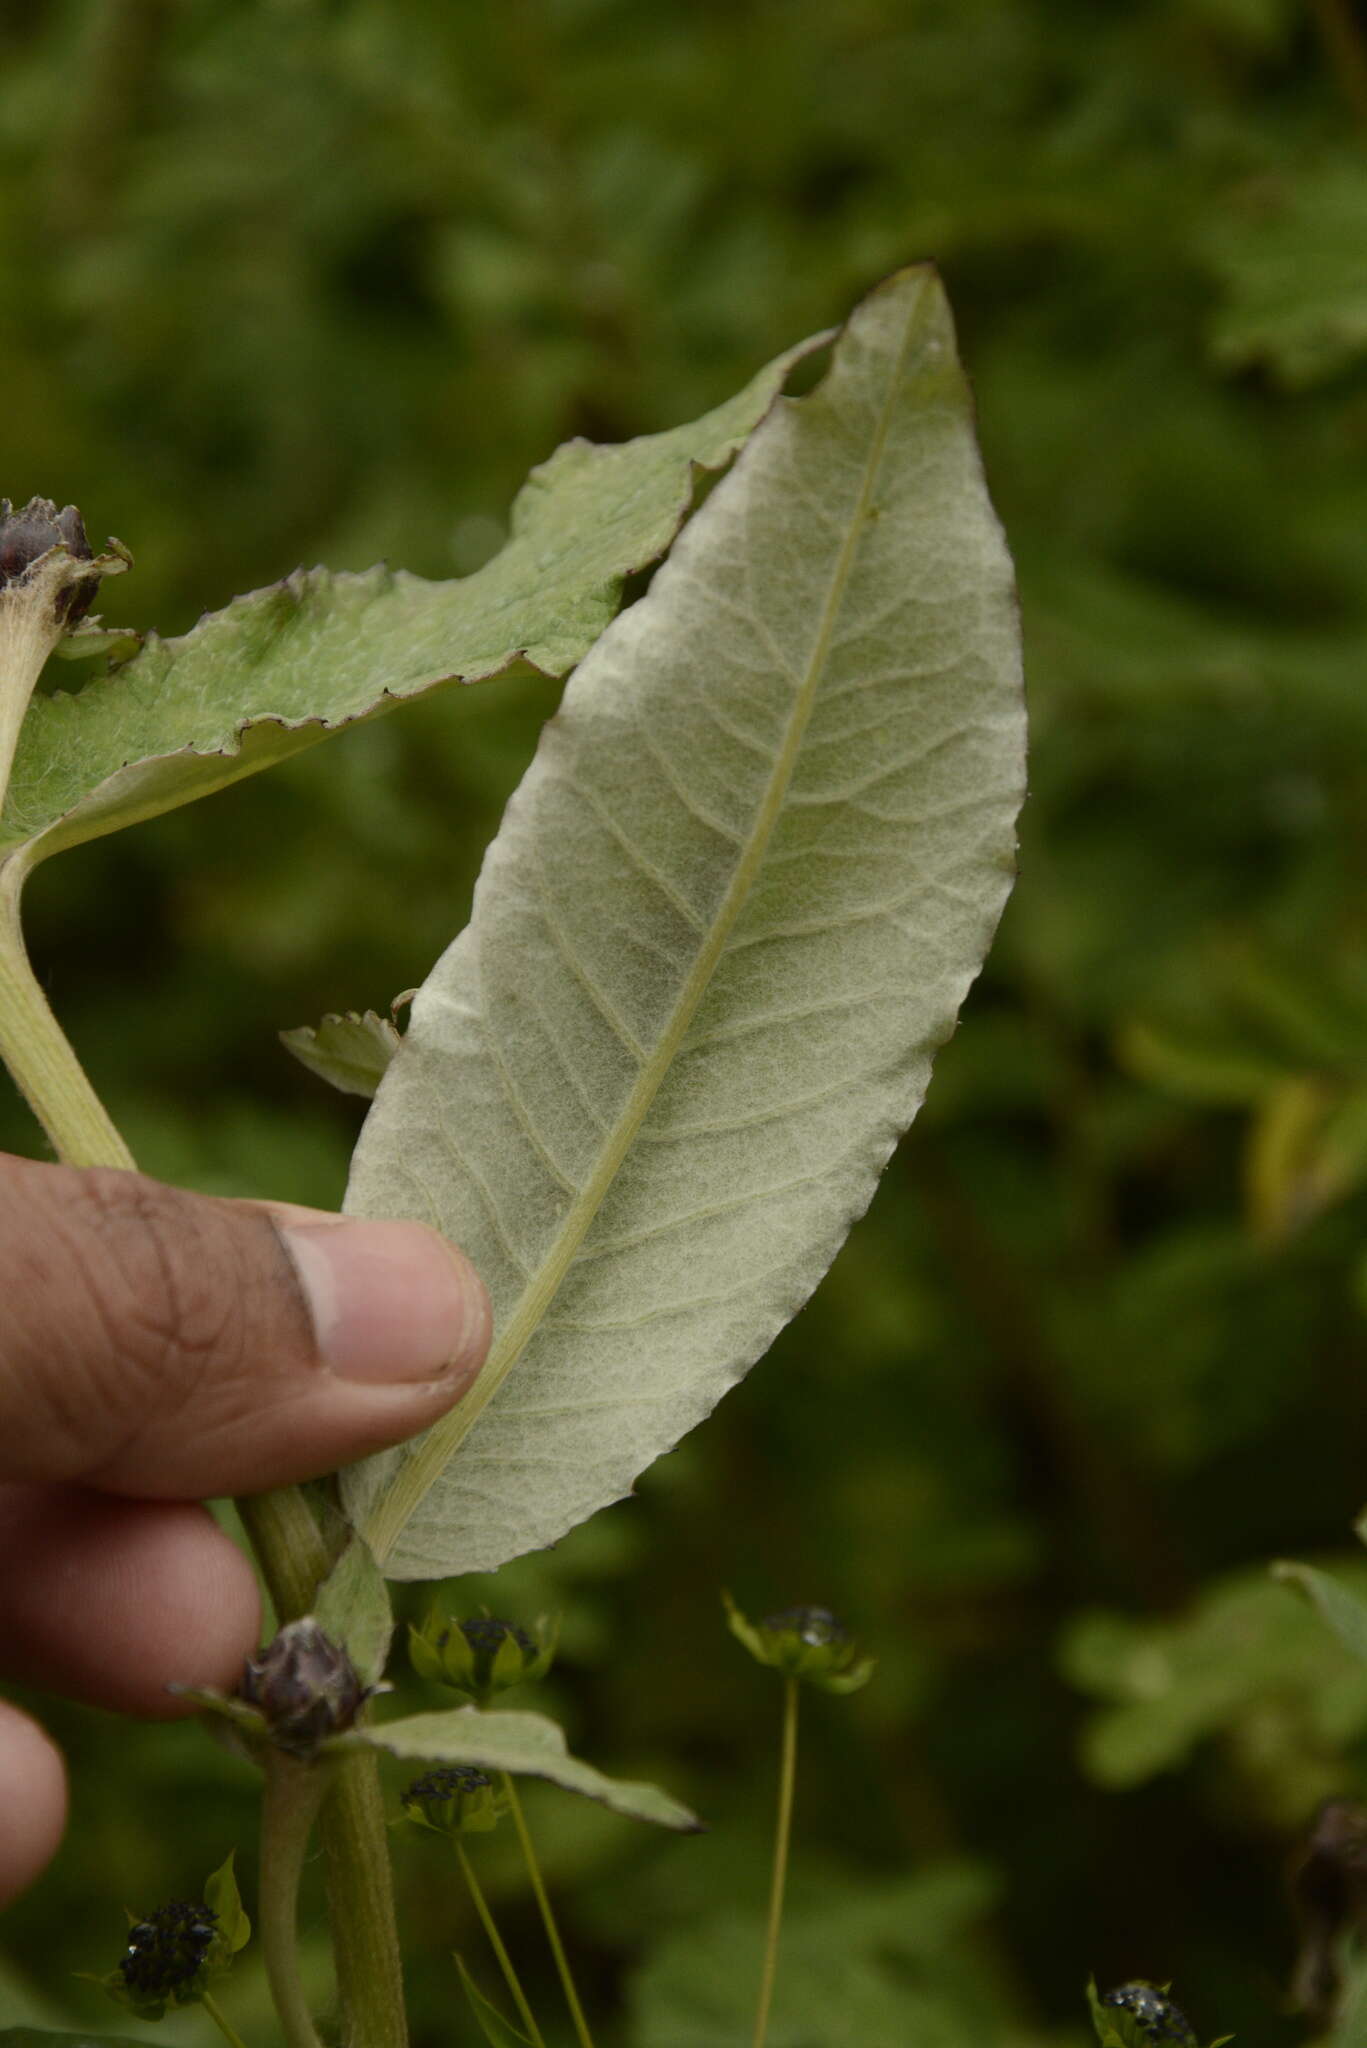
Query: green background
301	282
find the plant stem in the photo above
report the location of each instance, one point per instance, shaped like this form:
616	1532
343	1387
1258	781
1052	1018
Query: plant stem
360	1889
581	2030
505	1961
287	1540
289	1545
35	1049
221	2020
351	1827
787	1777
292	1796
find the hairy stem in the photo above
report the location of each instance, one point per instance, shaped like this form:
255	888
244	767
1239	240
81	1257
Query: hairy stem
221	2020
351	1827
35	1049
287	1540
787	1777
292	1796
505	1961
562	1964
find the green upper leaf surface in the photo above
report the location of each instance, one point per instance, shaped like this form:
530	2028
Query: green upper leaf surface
1344	1609
351	1050
281	668
353	1608
731	913
529	1745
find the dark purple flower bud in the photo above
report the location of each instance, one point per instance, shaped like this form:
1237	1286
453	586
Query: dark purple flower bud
167	1951
304	1687
457	1799
1158	2019
27	535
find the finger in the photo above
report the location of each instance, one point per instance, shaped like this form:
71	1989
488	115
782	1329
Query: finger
117	1599
32	1798
166	1344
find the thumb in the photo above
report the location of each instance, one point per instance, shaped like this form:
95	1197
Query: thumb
173	1346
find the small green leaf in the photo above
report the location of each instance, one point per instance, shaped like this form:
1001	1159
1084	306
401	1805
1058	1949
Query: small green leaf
529	1746
223	1899
91	637
1345	1611
350	1050
488	2018
353	1608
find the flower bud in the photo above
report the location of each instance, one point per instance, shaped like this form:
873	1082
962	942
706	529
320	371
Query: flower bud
168	1952
458	1799
48	578
27	535
482	1656
304	1687
1157	2018
803	1642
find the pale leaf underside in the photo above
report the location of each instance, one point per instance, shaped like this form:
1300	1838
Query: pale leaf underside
528	1745
730	914
281	668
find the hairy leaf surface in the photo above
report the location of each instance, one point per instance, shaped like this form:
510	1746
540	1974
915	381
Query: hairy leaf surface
529	1745
731	912
283	667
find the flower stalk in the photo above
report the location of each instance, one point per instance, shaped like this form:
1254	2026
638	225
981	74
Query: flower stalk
548	1920
787	1778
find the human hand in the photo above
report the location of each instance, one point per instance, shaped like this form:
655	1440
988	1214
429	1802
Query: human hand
158	1348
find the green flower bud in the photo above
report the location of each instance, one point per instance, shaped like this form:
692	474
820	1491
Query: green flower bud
458	1799
1155	2016
803	1642
304	1687
482	1656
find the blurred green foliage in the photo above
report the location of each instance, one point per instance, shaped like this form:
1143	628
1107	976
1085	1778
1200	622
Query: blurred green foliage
297	280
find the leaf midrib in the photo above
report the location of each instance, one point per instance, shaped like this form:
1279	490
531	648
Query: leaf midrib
424	1464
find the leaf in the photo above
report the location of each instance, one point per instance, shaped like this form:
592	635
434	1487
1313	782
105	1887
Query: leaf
1115	2027
731	913
1344	1610
353	1608
488	2018
1241	1656
861	1965
283	667
223	1898
1288	252
43	2037
351	1050
529	1746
